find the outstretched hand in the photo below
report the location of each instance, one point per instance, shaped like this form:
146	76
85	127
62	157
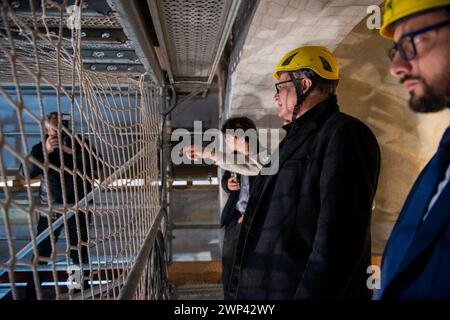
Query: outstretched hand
193	152
52	143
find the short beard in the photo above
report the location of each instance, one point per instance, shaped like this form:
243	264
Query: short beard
433	99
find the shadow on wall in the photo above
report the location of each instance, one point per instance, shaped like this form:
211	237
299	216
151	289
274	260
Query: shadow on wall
407	140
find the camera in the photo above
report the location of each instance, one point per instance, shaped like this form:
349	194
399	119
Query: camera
66	140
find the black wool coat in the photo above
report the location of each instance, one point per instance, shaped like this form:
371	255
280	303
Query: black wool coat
306	234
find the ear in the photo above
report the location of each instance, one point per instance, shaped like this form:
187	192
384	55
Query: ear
306	84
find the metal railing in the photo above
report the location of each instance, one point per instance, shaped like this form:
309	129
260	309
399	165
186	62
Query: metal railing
99	186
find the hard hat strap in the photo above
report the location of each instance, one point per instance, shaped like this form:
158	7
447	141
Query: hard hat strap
301	97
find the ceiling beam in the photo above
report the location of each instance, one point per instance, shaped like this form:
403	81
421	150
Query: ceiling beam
133	23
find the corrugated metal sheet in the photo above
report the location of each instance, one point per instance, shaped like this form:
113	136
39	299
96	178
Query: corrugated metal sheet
192	35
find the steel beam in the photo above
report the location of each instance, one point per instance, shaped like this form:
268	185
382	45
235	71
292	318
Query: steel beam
129	289
130	16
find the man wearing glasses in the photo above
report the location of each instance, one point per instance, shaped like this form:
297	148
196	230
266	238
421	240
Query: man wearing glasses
416	260
306	233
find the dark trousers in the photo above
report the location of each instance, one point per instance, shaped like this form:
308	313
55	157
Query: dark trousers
230	240
45	247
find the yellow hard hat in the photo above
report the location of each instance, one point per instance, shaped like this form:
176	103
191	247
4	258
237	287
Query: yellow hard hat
395	10
316	58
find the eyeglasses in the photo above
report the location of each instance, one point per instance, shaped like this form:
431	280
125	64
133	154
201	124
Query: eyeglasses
406	45
278	86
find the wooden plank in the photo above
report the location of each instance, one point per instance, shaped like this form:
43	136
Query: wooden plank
195	272
376	259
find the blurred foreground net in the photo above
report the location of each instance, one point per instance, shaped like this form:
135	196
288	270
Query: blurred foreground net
79	172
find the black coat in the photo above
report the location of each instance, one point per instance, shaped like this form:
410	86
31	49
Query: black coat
229	220
306	234
54	178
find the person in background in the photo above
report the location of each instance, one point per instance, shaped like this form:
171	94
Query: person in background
58	192
236	142
306	231
238	187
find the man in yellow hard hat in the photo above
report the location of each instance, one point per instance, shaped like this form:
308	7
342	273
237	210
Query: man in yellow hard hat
416	260
306	232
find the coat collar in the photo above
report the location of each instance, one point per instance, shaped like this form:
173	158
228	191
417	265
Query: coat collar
314	112
305	126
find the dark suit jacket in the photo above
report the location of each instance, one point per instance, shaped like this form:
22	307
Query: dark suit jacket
416	260
307	229
229	208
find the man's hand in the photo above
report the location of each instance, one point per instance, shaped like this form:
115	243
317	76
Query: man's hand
52	143
233	185
193	153
66	149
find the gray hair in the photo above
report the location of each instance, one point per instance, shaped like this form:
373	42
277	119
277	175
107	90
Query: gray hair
324	86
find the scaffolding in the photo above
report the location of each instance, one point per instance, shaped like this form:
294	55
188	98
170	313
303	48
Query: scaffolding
90	170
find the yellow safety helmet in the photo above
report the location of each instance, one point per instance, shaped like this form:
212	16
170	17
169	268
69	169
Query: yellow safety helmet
394	10
316	58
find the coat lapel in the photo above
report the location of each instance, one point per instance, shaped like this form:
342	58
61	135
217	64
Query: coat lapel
425	234
402	234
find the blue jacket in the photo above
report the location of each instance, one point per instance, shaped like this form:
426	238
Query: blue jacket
416	260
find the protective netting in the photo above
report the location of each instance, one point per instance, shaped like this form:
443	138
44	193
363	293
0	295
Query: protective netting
80	186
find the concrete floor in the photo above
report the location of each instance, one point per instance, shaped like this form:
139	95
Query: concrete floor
196	206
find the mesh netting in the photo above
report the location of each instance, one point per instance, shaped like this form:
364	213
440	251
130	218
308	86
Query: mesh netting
80	186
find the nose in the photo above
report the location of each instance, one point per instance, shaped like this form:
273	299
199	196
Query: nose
399	67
